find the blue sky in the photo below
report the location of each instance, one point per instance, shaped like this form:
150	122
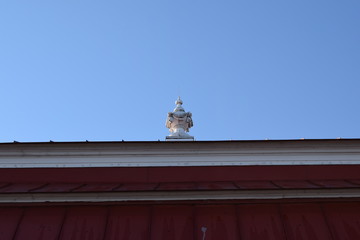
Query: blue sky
111	70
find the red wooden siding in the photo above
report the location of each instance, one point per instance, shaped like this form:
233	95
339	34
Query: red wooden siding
260	222
128	222
304	222
84	223
172	222
271	221
216	222
9	221
343	220
183	174
40	223
181	186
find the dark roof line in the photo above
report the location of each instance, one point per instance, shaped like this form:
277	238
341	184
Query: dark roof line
188	142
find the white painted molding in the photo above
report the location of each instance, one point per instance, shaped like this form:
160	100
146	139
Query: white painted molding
152	154
178	196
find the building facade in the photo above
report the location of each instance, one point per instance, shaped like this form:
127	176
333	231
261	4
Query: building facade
203	190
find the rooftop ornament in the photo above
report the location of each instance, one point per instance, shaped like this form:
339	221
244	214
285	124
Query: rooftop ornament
179	122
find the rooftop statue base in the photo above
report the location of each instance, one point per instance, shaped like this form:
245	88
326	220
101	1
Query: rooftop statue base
170	139
179	135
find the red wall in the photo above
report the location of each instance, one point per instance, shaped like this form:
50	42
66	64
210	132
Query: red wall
180	174
273	221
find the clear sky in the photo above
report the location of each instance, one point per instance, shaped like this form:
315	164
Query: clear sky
246	69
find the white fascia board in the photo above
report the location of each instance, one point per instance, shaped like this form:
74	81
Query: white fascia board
176	160
143	155
178	196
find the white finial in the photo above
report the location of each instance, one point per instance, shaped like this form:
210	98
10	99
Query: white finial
179	107
179	123
179	101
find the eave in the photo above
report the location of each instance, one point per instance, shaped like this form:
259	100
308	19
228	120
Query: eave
197	153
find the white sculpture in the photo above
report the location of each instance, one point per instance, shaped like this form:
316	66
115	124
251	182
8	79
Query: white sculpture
179	123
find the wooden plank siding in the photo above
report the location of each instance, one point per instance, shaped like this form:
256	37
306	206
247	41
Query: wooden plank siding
198	221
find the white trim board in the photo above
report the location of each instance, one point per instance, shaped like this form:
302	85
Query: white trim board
179	154
196	159
177	196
